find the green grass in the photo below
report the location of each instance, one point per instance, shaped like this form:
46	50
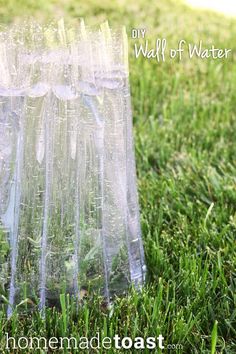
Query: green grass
185	136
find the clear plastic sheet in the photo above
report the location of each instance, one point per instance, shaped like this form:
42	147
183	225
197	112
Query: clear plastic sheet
69	216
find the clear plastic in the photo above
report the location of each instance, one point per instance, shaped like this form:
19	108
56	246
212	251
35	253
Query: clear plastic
69	216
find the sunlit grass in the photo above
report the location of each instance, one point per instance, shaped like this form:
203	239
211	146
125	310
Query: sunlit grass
227	7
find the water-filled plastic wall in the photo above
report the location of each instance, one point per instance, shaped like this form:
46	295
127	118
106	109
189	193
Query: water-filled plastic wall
69	216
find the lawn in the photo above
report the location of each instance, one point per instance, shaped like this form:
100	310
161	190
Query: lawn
185	142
